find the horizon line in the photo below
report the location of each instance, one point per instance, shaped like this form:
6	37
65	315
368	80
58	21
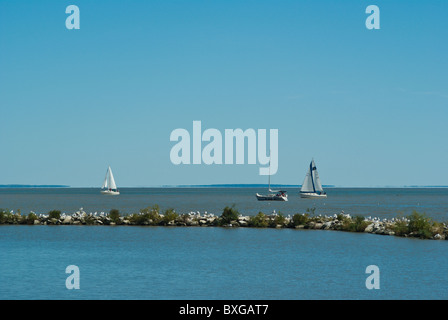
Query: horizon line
220	185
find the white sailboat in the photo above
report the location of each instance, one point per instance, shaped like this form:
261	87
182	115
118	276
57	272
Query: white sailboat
312	187
109	187
274	195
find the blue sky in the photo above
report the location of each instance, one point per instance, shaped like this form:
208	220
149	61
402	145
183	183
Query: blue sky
370	106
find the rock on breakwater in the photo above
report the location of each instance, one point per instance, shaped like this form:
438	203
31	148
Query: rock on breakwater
416	225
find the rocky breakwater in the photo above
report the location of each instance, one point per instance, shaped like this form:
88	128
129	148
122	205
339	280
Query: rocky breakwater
416	225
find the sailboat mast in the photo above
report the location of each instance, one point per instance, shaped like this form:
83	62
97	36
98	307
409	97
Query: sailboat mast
269	179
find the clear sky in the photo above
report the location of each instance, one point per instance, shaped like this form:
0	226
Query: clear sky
371	106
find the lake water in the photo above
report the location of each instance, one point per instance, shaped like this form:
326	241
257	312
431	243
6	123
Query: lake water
133	262
129	262
379	202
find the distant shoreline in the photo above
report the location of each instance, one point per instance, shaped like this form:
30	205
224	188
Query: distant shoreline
32	186
273	186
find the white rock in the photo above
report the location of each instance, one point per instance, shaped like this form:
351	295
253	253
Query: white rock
369	228
67	220
439	237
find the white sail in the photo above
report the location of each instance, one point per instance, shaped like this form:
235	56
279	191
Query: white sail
307	185
312	187
317	183
109	187
112	184
105	184
109	181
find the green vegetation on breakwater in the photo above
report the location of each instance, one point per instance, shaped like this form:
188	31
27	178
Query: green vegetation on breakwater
415	225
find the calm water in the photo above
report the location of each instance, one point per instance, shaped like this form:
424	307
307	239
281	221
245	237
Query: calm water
131	262
380	202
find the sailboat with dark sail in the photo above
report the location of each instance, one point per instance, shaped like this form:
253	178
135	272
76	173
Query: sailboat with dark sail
312	187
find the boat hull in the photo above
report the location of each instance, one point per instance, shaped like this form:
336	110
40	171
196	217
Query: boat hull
313	195
110	193
271	197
